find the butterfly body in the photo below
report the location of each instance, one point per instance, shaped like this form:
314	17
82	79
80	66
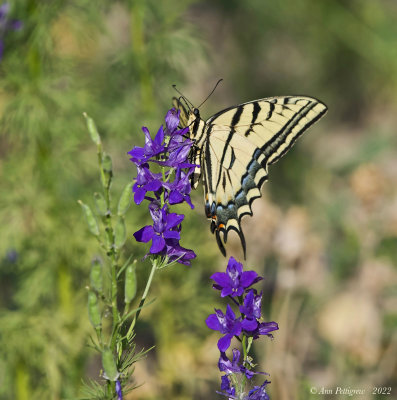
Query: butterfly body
234	148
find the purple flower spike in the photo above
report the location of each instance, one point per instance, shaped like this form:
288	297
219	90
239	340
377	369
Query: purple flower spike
169	150
234	281
227	324
119	391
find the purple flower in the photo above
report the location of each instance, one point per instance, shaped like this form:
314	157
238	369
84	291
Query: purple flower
264	328
151	149
172	120
163	228
234	281
227	324
146	181
226	386
251	310
119	391
258	392
179	149
6	25
180	189
233	367
176	252
230	367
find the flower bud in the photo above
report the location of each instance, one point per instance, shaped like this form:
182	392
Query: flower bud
119	233
130	284
93	309
92	130
109	365
90	218
96	278
100	204
125	200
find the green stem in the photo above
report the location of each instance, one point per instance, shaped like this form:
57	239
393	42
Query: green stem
244	344
111	252
143	298
115	312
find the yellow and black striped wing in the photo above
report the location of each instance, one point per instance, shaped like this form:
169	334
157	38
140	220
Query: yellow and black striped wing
240	142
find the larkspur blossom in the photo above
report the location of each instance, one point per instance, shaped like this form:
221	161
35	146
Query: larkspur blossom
258	392
6	25
233	366
227	324
235	280
226	387
235	284
168	150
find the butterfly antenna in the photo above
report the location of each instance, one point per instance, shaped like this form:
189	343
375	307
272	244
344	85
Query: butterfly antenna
187	102
213	90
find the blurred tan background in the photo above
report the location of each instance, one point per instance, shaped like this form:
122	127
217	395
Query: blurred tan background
324	234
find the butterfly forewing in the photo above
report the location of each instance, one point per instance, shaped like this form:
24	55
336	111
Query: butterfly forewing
237	144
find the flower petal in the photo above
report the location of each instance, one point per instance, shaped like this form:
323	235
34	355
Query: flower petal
249	324
145	234
139	195
158	244
172	235
224	342
212	322
247	278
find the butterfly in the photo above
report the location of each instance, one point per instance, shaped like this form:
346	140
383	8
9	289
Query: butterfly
234	148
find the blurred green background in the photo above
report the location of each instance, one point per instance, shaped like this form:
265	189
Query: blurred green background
324	234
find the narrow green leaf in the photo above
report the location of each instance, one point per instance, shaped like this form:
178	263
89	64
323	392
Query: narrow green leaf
130	284
125	200
96	277
109	365
100	204
120	233
92	129
90	218
93	309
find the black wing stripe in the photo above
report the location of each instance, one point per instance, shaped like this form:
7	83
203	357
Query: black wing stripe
235	120
208	161
299	133
271	146
255	112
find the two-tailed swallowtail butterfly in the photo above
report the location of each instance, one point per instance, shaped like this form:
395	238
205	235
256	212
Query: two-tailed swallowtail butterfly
234	148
